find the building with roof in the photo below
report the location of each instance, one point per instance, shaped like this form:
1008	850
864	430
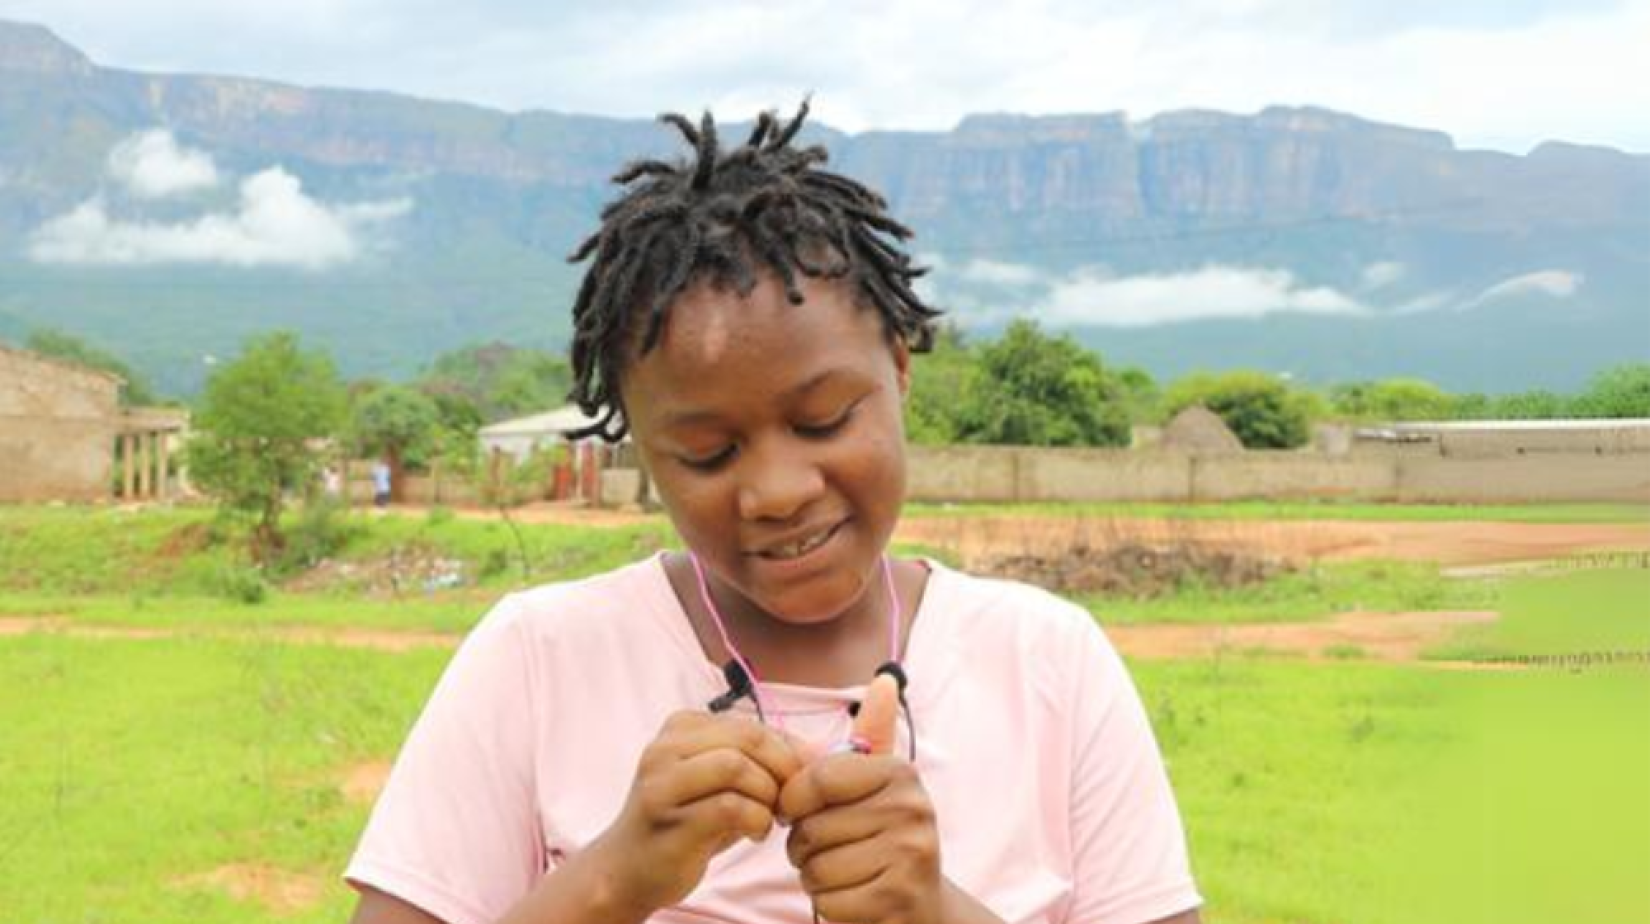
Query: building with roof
521	437
63	432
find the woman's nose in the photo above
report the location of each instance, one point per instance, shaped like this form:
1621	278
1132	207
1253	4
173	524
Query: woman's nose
778	484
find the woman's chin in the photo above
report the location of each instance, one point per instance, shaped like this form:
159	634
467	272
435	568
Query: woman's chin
812	606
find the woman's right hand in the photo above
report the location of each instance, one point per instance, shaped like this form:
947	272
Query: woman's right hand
702	784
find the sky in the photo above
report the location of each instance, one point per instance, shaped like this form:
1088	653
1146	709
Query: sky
1497	74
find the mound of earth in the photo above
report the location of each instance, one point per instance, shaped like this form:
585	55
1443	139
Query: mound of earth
1134	569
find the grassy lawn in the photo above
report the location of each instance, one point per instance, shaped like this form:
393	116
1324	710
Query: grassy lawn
163	569
1304	510
129	770
93	550
1316	592
134	772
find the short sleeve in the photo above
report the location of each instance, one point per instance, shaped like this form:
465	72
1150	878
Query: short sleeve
455	830
1129	849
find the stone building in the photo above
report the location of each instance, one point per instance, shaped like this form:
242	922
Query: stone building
63	431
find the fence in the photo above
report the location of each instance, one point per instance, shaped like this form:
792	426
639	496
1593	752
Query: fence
1029	474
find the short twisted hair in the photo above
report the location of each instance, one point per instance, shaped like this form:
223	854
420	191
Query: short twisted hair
763	205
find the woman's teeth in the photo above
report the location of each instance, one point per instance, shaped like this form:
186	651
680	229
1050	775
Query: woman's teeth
798	549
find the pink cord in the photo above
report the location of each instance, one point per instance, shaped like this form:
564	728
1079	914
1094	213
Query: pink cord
894	620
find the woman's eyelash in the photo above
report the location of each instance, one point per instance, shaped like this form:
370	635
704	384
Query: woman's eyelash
709	463
713	462
826	429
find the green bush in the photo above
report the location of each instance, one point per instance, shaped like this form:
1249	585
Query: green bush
1261	409
319	533
1034	389
241	584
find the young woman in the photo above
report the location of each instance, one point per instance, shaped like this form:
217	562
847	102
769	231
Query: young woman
677	741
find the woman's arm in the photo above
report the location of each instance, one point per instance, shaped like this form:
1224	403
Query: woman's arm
580	891
705	782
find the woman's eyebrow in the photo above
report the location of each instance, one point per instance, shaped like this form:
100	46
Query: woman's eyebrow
814	381
692	418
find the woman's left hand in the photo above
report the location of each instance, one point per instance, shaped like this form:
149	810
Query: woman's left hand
864	838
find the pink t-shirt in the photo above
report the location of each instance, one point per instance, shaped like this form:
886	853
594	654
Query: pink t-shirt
1051	797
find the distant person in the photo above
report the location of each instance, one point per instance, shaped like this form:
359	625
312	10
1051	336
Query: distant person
782	722
332	483
381	483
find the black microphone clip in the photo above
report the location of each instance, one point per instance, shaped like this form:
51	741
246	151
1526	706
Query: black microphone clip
739	687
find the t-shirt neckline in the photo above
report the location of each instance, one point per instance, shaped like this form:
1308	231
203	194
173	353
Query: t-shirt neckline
924	645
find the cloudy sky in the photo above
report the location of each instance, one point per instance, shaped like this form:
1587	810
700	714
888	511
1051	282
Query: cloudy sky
1501	74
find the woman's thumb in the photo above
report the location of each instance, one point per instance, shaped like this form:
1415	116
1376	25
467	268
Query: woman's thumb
877	724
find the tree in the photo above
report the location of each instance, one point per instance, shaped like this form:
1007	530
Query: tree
59	345
496	381
1138	393
1393	400
399	423
938	378
1261	409
260	421
1036	390
1620	391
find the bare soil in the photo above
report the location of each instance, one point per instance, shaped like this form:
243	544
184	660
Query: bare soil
363	782
280	891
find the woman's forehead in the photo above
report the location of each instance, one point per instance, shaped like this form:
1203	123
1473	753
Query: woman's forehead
718	344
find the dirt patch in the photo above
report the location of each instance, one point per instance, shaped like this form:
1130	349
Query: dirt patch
978	539
185	541
280	891
1132	569
372	639
1373	636
545	512
363	782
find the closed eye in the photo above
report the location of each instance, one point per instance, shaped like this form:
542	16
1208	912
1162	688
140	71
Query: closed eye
819	431
708	463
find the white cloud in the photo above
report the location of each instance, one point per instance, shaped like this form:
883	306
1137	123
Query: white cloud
1499	73
1552	283
992	272
1380	275
1090	297
151	165
275	224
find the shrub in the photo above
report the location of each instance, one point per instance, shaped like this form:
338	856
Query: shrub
1261	409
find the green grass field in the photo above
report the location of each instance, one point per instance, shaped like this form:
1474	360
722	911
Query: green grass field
134	772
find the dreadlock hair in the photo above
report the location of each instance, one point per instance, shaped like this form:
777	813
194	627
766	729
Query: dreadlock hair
764	205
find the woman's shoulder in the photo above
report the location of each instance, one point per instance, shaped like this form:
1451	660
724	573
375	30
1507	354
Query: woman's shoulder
606	602
995	605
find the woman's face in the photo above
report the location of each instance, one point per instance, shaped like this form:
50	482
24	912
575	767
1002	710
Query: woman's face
774	434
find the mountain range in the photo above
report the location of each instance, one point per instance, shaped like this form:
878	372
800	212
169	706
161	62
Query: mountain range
166	217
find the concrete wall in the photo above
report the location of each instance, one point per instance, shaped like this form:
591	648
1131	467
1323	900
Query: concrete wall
57	429
1261	475
1618	471
1553	477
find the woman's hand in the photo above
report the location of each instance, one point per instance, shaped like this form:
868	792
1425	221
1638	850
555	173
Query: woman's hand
863	833
705	782
864	839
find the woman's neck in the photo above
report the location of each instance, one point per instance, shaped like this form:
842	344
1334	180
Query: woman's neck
839	652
